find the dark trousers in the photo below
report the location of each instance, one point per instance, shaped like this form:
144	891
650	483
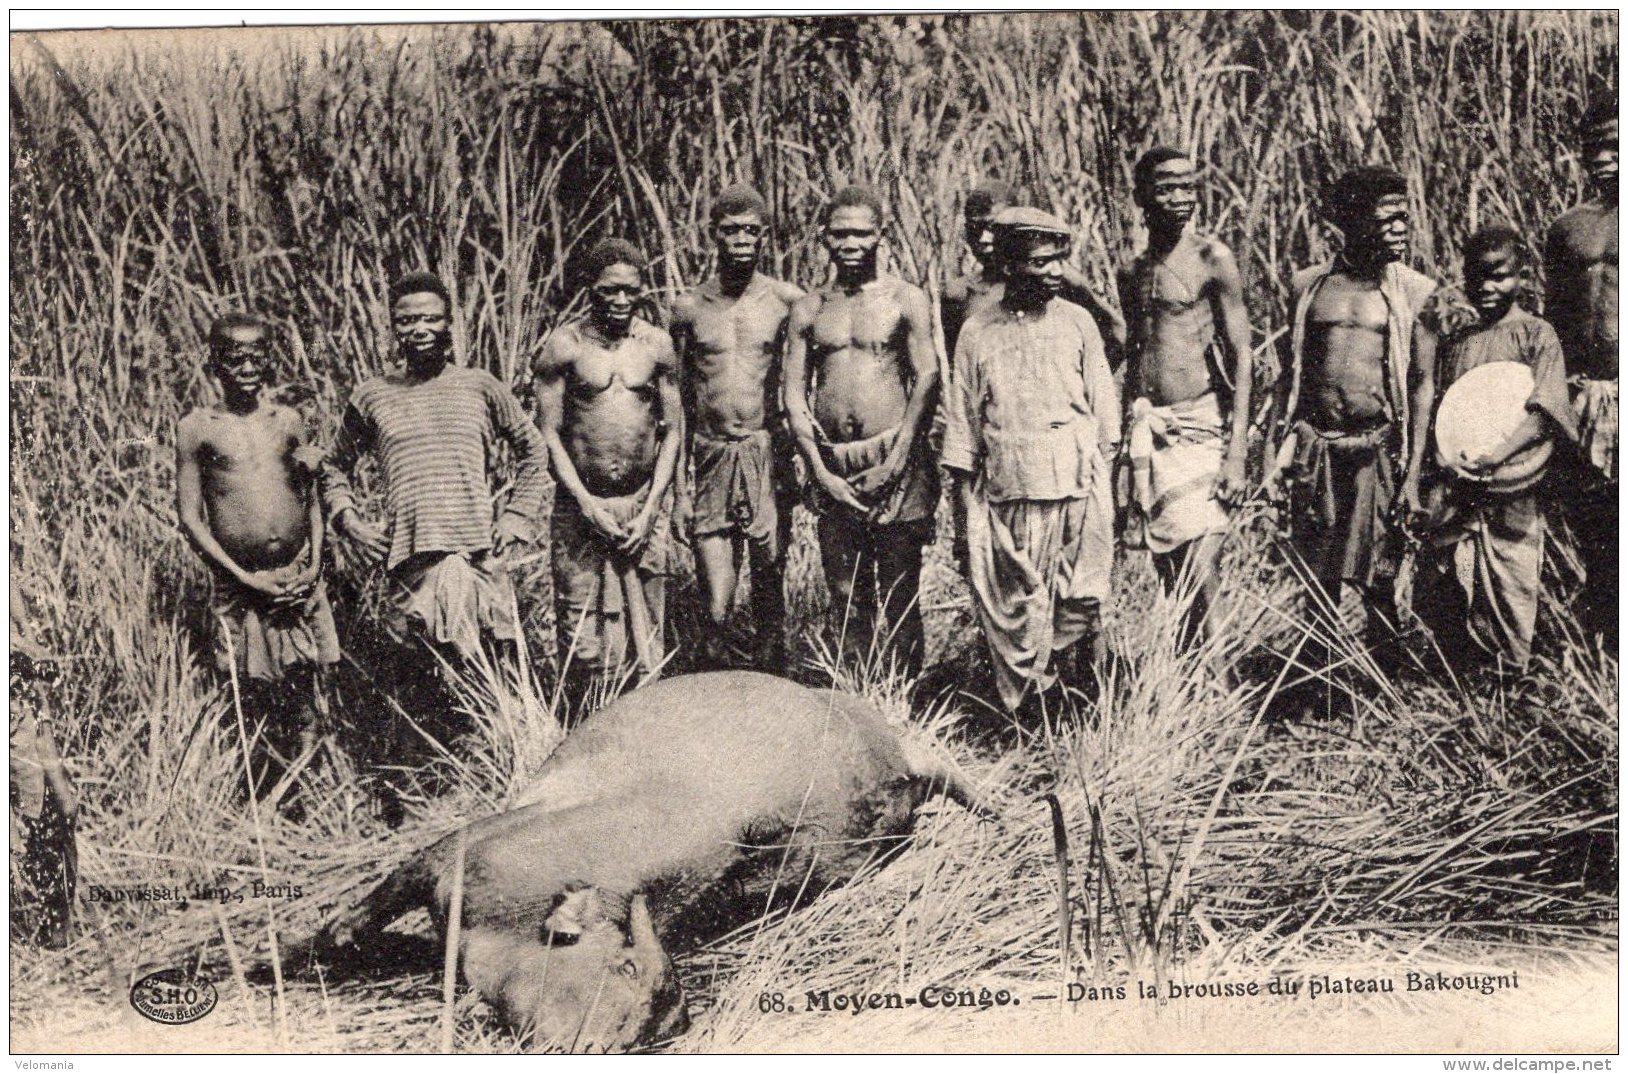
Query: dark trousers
874	574
1592	515
723	645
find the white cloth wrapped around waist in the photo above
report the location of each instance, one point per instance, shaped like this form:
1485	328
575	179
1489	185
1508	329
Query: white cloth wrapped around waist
1176	453
1054	462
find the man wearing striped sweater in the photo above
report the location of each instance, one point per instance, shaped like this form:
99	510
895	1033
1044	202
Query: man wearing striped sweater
433	428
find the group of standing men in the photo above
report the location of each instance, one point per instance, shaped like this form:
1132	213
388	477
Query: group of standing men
756	380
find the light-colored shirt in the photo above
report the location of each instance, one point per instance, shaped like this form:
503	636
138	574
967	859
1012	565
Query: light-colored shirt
435	442
1530	341
1031	400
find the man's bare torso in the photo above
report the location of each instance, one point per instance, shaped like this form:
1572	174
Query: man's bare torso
1172	322
963	297
1583	289
732	351
255	497
1343	385
612	410
859	362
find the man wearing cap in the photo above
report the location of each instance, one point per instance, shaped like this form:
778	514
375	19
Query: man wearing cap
434	428
969	293
1189	351
1362	349
966	294
1032	420
730	334
861	375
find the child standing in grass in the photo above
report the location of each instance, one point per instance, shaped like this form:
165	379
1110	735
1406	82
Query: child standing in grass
1481	571
244	494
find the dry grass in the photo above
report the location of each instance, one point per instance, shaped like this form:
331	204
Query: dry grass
1418	822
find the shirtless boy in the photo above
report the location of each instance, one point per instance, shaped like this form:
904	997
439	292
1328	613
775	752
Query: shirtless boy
611	414
1189	361
1480	579
1580	265
730	334
245	499
860	377
1361	387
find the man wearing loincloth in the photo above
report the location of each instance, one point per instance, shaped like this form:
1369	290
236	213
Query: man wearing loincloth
1580	266
1032	423
434	428
610	409
861	376
1481	575
730	333
244	494
1362	354
1189	373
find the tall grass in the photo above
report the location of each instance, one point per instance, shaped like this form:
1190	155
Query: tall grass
158	180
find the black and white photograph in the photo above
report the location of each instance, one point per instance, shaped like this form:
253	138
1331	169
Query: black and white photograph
1085	532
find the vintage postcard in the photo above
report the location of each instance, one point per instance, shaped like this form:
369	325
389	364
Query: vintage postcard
1042	532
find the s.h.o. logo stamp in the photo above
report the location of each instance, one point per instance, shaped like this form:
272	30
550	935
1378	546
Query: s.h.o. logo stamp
173	997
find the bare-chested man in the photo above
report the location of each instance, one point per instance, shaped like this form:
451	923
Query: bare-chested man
730	333
611	413
860	377
244	494
1363	350
1189	363
1580	266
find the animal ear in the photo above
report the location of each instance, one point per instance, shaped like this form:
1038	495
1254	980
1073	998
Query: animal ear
576	911
646	945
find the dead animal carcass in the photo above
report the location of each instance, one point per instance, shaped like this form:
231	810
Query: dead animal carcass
675	813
